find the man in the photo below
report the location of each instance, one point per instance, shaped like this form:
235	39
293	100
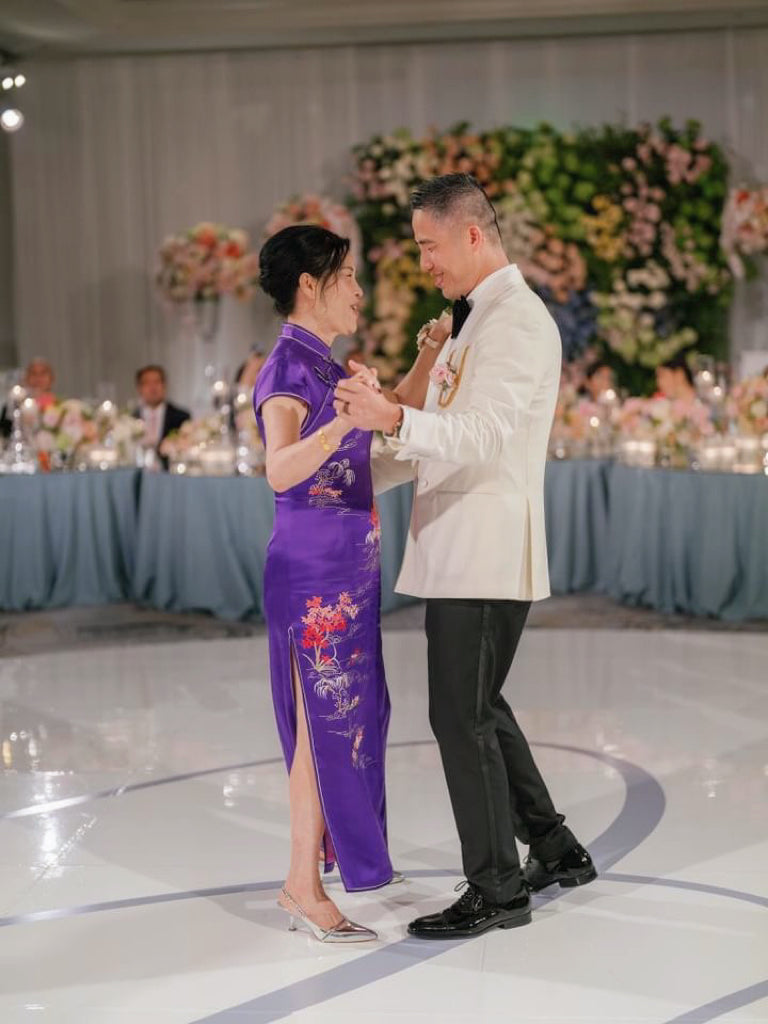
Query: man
38	380
159	415
674	380
477	551
598	380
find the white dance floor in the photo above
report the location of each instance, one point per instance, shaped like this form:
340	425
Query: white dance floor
144	830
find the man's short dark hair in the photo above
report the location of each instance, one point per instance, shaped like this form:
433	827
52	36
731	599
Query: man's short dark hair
151	368
457	194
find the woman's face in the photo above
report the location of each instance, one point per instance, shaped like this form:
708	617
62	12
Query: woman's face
338	304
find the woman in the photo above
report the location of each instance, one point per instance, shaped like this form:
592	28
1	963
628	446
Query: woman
321	581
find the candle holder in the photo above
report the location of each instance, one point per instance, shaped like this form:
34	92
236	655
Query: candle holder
19	456
638	452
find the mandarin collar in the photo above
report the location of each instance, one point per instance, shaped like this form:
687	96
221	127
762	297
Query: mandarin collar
307	338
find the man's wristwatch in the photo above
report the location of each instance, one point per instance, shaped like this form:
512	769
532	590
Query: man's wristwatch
395	431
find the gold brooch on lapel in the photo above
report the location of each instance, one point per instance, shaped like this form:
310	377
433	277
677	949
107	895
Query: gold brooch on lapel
447	377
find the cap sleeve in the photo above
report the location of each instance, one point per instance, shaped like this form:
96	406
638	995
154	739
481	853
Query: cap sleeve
281	377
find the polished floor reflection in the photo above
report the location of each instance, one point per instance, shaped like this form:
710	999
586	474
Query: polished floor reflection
143	830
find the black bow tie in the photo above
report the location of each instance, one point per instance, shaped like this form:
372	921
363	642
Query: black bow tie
461	308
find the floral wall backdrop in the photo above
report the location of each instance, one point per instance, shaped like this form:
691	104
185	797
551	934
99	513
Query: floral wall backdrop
629	235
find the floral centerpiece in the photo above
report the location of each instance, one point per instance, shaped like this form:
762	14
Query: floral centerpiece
674	426
186	442
206	262
69	429
127	431
64	427
747	404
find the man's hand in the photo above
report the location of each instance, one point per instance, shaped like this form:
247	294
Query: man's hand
365	408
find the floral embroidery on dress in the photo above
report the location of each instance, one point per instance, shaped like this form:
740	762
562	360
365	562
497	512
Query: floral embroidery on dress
325	627
373	541
322	492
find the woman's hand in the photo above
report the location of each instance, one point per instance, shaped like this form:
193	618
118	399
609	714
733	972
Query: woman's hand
368	375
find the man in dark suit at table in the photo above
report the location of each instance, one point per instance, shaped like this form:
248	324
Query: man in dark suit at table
159	415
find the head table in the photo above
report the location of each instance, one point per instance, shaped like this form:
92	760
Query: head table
666	539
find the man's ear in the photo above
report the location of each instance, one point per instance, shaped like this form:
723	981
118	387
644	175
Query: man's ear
475	236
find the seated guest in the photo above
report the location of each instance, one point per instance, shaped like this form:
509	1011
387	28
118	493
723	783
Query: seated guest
159	415
598	379
38	380
247	373
675	380
245	380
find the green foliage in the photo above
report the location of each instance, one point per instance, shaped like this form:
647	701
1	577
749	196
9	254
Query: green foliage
628	218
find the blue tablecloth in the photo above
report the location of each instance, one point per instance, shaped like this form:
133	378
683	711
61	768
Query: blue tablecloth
202	543
675	541
689	542
67	538
576	510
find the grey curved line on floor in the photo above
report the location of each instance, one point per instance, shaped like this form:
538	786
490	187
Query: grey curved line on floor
85	798
643	809
679	883
625	833
726	1004
38	916
103	794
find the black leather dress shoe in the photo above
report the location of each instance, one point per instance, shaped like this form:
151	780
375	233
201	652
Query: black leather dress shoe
473	914
574	868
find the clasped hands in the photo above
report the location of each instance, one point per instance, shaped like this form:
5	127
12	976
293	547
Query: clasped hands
359	400
361	404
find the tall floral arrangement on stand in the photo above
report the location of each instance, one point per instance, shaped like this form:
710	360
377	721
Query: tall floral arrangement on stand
206	262
745	229
196	270
618	229
320	210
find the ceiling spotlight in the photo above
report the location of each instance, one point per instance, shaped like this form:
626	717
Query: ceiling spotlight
11	120
8	82
19	80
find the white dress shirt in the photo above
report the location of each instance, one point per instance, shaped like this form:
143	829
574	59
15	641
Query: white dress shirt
153	422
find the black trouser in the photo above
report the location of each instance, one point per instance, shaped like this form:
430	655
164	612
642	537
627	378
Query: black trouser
496	789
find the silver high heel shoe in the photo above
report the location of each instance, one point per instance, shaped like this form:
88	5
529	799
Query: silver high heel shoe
344	931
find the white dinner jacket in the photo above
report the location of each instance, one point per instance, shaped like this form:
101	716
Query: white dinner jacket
477	523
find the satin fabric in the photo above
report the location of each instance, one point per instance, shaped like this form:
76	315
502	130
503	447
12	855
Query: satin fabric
322	602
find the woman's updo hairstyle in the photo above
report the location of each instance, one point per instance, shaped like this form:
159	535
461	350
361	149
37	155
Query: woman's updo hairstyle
300	249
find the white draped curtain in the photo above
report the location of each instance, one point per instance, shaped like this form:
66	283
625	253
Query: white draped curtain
117	152
7	341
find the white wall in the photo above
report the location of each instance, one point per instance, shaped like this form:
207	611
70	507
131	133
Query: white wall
119	151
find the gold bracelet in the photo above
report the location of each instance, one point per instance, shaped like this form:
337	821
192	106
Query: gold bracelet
327	448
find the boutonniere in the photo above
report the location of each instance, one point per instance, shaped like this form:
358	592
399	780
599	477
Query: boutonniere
442	376
447	377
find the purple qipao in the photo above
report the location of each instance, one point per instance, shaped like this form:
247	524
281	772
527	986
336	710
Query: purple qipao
322	602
